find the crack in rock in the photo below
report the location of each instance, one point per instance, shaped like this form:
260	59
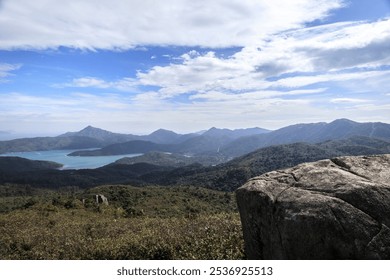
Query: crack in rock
346	167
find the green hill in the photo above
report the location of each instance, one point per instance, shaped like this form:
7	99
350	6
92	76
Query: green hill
18	164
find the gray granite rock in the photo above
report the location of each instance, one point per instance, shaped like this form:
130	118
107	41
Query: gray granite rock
330	209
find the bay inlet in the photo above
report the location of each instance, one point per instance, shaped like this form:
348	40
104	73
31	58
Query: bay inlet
69	162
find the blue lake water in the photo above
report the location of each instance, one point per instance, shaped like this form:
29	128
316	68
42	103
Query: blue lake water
61	156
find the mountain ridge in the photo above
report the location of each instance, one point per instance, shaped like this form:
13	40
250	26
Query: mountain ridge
310	133
221	143
225	176
231	143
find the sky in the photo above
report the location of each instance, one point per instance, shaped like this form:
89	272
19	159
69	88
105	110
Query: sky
134	66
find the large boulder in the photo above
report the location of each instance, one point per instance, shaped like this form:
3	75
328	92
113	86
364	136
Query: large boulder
329	209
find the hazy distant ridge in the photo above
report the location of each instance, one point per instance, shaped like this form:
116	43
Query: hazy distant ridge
232	143
309	133
219	143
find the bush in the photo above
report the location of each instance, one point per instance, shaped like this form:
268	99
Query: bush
81	234
138	223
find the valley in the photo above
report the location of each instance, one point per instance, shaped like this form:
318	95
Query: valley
68	162
218	159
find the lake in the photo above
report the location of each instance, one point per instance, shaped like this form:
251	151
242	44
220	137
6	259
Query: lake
61	156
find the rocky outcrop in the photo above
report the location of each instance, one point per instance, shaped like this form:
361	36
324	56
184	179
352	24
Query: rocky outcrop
101	199
329	209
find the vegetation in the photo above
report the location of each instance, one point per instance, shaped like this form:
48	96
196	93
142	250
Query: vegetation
138	223
172	160
226	177
233	174
10	164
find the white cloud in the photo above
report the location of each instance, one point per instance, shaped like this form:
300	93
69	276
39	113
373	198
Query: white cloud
330	53
343	45
125	84
322	48
264	55
301	81
122	24
195	73
89	82
12	102
343	35
252	96
349	100
6	69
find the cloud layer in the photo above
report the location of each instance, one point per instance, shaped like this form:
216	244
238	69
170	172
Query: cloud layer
122	24
334	54
282	69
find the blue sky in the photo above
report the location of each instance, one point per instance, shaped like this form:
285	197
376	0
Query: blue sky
136	66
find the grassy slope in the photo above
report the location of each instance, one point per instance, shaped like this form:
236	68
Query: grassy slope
147	223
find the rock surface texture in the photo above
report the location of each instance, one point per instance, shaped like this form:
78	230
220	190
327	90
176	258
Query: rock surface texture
329	209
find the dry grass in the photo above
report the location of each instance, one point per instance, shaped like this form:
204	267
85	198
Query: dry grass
45	231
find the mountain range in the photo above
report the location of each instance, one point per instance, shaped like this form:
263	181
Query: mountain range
217	158
218	145
91	137
308	133
160	136
232	143
232	174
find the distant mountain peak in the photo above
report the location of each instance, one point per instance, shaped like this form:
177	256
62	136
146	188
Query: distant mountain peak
90	127
87	129
94	132
343	120
162	131
215	132
163	136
